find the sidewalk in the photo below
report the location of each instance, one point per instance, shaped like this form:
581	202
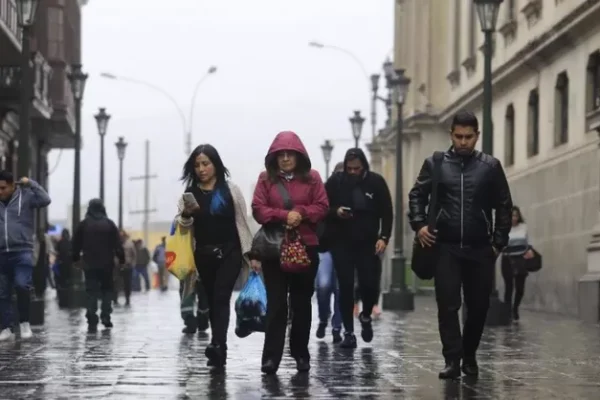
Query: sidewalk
146	356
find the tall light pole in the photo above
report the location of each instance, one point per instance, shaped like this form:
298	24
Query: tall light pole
188	139
121	146
102	119
327	148
388	72
26	11
487	10
399	297
356	122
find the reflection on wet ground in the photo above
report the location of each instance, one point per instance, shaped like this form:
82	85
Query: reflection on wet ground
544	357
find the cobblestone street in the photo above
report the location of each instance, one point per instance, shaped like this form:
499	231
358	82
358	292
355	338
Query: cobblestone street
146	356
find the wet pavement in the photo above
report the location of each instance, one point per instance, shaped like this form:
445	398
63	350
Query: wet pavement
146	356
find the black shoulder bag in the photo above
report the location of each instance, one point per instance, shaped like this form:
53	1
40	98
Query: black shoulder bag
267	241
425	259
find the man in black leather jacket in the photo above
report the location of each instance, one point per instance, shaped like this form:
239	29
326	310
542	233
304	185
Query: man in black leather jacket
471	185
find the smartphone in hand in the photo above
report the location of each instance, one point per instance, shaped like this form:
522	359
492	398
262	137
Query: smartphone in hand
189	200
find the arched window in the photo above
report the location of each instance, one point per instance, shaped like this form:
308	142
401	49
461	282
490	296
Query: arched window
561	109
509	136
533	123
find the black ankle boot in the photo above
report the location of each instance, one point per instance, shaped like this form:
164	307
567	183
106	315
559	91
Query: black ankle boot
269	367
321	330
451	371
349	341
216	355
302	365
470	367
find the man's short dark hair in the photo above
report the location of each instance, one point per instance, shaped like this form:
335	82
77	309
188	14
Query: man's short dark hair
7	176
465	118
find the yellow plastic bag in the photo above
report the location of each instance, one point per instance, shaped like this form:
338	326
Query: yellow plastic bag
179	253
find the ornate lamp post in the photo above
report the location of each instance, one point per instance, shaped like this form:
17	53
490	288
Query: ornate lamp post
327	148
487	10
102	119
399	297
356	121
121	146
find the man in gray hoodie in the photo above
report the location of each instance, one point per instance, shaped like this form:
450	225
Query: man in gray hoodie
18	202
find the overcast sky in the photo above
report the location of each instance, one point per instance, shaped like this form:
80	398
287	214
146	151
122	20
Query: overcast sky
268	80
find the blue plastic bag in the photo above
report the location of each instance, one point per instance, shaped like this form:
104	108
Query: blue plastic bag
251	307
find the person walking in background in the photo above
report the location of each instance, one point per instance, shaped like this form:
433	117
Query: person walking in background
215	209
125	270
362	215
161	262
514	259
327	284
289	193
142	259
193	306
64	264
96	243
471	185
18	202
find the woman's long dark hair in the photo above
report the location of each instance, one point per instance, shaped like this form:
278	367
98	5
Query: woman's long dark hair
520	219
190	179
302	171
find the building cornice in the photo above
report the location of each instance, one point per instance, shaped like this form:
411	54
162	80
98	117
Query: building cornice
541	49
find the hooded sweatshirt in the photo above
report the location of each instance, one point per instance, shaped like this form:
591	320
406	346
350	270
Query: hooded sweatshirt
97	239
370	200
308	196
16	217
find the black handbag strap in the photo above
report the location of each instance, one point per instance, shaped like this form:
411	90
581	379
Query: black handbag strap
438	158
285	195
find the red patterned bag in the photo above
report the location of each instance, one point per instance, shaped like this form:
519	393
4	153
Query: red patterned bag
294	257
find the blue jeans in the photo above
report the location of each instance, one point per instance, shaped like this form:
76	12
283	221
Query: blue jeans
326	285
15	272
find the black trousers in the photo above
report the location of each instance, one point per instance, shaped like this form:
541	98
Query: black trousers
301	287
218	275
99	285
473	271
122	279
351	258
514	280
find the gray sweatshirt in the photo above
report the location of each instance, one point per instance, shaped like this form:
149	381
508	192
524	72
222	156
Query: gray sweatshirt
16	217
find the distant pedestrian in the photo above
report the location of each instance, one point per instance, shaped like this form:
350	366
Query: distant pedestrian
142	260
97	243
18	202
160	259
125	270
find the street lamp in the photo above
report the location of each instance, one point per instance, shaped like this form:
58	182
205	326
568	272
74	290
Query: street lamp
26	11
77	79
102	119
356	121
327	149
498	313
121	146
399	297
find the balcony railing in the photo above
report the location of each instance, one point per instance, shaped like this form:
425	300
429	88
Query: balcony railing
9	21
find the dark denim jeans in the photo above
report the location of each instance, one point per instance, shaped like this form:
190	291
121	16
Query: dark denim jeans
15	273
326	284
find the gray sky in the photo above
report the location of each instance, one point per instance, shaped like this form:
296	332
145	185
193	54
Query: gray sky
268	80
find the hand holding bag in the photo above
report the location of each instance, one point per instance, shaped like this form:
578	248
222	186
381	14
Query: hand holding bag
179	254
267	241
294	257
425	259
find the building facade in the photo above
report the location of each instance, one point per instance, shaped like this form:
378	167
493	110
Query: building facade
546	118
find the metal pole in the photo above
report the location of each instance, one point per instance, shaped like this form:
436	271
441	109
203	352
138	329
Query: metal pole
76	213
120	194
102	168
147	194
188	143
356	143
399	297
24	150
374	116
326	170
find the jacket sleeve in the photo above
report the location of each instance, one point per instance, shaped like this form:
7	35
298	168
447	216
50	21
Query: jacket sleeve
386	209
418	197
317	211
503	208
332	187
261	211
77	242
181	218
39	197
119	251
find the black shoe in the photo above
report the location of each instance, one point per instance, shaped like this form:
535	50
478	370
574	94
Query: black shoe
349	341
367	328
337	336
515	314
302	365
107	322
216	355
321	330
470	367
127	303
189	330
269	367
92	328
203	323
451	371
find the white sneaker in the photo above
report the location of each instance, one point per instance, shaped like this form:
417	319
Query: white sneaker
26	330
6	334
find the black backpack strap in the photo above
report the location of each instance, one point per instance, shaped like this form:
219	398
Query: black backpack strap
438	159
285	195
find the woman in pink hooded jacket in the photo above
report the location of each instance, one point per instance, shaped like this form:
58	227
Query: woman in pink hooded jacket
287	163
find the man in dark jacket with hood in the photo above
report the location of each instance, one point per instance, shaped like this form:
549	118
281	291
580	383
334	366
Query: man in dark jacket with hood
361	224
97	242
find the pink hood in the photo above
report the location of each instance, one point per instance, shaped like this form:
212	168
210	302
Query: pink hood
287	140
